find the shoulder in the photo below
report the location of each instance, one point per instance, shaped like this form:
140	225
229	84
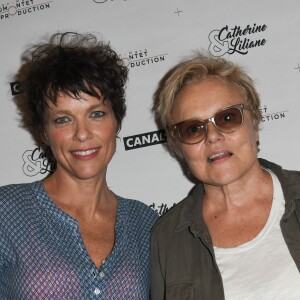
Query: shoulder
15	195
182	215
138	211
289	180
286	177
168	222
14	191
292	175
15	206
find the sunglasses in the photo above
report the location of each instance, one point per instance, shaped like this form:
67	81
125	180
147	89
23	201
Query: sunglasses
226	120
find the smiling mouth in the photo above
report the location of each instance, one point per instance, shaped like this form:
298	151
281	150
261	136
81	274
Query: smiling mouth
85	153
219	155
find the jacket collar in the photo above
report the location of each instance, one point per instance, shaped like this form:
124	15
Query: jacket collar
290	184
191	212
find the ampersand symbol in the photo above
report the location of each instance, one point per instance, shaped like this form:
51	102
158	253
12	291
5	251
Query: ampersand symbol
30	167
99	1
217	47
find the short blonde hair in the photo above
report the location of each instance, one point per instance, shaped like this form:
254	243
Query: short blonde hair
196	69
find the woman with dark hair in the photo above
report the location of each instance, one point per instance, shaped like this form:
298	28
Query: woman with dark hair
69	236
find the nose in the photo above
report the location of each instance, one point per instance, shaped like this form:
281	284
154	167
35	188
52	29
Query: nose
82	131
213	135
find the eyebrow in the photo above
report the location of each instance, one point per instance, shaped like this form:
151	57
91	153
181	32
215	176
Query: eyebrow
66	111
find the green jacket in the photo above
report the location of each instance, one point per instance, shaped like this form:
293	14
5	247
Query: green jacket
183	264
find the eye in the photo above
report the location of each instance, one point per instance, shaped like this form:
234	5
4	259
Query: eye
228	117
191	128
61	120
97	114
231	115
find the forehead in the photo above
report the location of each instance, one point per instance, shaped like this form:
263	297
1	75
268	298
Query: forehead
210	88
69	102
204	98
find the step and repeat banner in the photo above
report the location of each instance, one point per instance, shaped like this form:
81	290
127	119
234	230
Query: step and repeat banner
151	36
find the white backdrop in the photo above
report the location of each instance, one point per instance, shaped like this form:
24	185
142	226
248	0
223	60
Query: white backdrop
152	36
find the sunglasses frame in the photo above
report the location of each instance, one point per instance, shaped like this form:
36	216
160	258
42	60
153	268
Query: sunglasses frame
173	129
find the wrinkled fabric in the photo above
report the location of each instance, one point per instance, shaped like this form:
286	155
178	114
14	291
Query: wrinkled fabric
183	264
42	254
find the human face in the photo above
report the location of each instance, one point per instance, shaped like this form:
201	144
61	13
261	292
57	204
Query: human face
219	159
82	135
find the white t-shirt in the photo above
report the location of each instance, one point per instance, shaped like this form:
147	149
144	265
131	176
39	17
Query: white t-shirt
263	267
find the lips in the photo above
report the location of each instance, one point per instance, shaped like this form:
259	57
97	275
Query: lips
85	154
219	155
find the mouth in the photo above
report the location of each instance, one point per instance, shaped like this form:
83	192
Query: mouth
219	156
83	153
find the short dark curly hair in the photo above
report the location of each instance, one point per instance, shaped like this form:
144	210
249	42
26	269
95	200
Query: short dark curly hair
73	63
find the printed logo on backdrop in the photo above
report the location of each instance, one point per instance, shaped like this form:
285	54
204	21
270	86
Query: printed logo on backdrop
35	162
236	39
268	116
16	88
162	208
13	8
142	58
144	140
103	1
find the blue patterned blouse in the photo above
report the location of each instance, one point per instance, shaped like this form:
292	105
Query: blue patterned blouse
42	254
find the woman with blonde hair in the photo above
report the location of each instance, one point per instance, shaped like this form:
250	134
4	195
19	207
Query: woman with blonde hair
236	236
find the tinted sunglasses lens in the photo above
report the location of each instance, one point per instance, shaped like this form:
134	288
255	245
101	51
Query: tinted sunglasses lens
229	120
191	132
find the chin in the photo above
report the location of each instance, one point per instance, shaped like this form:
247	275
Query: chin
85	175
225	179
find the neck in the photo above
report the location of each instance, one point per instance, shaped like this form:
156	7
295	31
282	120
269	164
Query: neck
255	186
85	196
